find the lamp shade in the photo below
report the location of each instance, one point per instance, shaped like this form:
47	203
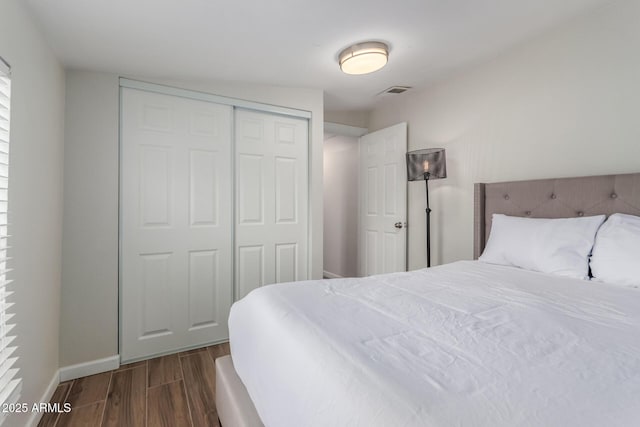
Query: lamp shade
432	160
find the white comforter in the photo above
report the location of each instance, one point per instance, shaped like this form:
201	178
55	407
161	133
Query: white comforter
465	344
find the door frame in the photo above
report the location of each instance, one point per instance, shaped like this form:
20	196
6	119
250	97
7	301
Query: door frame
216	99
357	132
235	103
332	129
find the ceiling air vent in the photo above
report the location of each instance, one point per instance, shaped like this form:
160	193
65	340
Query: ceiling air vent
395	89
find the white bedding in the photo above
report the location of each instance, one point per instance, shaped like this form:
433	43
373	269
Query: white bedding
465	344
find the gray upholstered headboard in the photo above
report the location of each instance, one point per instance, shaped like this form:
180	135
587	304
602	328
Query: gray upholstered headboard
553	198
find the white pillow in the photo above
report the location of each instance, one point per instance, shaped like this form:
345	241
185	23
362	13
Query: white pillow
616	253
559	246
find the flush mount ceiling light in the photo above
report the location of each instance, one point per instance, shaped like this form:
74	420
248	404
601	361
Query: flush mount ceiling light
363	58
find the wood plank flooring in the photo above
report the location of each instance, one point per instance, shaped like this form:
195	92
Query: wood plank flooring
177	390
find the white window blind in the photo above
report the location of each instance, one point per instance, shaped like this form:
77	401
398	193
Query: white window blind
9	381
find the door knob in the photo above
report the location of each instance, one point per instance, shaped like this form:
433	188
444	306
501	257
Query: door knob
398	225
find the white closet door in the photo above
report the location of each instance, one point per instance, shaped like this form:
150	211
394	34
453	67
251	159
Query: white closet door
271	199
176	223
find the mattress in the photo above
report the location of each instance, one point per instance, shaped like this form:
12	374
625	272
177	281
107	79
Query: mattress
464	344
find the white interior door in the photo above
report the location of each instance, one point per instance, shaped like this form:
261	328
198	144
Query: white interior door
382	232
176	223
271	199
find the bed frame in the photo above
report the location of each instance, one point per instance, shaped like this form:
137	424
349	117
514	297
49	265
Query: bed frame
544	198
234	406
553	198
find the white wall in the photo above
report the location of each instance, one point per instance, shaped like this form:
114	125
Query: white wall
89	300
566	104
90	286
35	198
340	195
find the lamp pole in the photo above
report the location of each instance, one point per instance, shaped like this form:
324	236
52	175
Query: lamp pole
428	211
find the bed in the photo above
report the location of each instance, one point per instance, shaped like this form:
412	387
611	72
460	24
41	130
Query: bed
468	343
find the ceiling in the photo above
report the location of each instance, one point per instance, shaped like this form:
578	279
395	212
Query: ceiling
292	42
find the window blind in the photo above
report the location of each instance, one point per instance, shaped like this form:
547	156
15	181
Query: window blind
9	381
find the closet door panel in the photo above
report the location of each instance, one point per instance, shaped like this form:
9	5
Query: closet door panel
286	192
156	294
250	268
204	182
176	223
204	279
250	189
155	186
286	262
271	199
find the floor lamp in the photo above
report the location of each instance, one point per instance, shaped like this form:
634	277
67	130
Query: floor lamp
427	164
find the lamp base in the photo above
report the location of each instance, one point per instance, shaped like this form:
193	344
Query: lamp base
428	212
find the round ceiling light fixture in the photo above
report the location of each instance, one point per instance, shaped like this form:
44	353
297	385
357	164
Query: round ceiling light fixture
363	58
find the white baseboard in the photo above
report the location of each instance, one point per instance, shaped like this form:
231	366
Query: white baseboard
70	373
330	275
34	419
89	368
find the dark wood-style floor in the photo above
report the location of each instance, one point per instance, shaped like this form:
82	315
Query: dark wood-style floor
174	391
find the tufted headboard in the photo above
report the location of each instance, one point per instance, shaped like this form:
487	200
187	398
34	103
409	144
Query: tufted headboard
553	198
